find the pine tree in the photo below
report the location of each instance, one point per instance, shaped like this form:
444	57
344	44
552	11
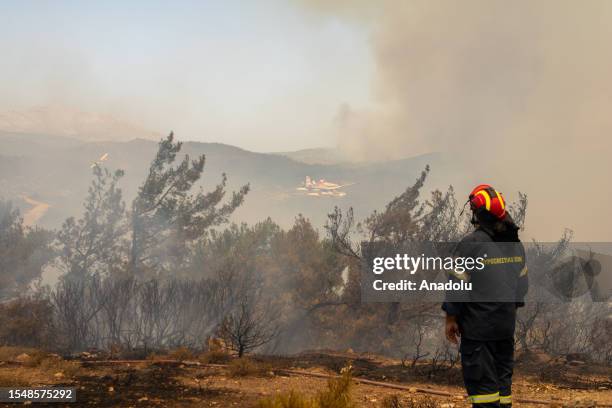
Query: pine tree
167	217
94	243
23	252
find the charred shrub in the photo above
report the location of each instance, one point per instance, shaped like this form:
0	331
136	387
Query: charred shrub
27	322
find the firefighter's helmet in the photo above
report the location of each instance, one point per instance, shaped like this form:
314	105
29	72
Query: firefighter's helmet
486	198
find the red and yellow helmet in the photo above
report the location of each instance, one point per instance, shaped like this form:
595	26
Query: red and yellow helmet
485	197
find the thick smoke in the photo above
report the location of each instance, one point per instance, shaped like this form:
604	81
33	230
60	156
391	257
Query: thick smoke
517	93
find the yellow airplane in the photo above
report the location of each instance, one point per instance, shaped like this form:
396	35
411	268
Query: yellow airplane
101	160
322	188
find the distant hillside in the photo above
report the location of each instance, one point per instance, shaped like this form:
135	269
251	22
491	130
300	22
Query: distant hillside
317	156
66	122
56	171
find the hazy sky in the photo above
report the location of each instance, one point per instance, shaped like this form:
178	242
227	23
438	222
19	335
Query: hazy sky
264	75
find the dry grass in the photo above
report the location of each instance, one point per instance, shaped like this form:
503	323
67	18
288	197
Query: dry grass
14	379
156	356
395	402
181	353
36	358
392	401
215	357
291	399
9	353
45	373
244	366
54	365
50	364
337	395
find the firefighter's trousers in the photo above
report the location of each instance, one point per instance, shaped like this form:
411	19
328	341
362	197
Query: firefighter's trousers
487	371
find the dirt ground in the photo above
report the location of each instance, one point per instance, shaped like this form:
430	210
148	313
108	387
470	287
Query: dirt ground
193	384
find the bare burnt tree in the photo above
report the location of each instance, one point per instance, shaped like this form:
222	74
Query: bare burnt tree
122	312
76	305
249	326
444	358
156	311
203	304
116	312
418	345
599	336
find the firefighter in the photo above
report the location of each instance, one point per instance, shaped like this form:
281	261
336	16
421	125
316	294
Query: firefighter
484	319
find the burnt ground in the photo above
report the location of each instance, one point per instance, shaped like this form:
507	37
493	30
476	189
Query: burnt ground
151	383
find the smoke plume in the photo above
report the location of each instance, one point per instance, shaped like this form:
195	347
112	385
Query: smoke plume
518	93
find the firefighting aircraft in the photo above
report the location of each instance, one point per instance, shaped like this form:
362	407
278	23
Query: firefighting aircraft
322	188
101	160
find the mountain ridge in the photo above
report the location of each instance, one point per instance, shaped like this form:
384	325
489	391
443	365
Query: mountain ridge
57	171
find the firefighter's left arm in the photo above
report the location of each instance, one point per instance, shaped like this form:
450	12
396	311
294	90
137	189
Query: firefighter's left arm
523	282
